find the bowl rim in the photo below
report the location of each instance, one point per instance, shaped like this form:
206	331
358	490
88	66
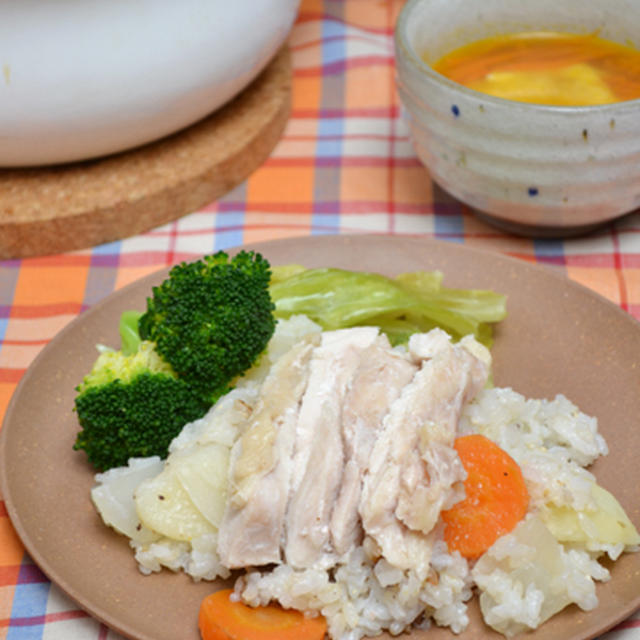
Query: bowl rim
403	46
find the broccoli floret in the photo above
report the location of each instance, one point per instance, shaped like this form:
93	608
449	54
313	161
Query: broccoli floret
125	366
132	406
211	319
206	324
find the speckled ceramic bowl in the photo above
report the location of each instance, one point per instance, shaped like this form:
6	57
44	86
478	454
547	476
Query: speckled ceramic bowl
533	169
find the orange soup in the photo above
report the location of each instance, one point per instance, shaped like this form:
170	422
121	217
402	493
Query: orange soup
547	68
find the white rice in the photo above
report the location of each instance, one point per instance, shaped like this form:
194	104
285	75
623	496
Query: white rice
364	597
551	440
198	557
527	576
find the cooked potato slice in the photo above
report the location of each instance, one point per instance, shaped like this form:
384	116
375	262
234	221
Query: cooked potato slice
113	497
164	506
203	475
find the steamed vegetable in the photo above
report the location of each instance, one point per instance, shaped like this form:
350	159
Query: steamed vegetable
129	332
496	497
604	522
211	319
401	306
530	572
206	324
132	406
113	497
187	498
224	619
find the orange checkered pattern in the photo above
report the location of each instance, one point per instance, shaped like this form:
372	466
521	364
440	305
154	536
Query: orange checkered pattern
344	165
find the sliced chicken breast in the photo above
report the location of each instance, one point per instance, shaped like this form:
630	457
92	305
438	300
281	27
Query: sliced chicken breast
261	464
414	471
376	384
319	457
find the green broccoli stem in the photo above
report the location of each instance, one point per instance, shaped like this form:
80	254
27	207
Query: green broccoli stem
129	332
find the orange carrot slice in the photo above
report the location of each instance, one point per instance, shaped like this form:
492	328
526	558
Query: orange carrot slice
496	497
223	619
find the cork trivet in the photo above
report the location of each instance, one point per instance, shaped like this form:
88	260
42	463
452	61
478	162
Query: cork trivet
61	208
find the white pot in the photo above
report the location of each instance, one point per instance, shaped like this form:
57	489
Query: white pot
85	78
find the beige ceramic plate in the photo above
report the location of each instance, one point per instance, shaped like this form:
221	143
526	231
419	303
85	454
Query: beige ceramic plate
558	337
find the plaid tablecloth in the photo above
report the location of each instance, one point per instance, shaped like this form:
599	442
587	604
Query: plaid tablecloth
344	165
